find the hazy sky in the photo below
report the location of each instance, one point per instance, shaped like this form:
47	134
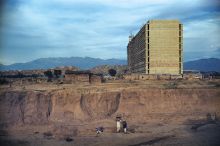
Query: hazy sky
31	29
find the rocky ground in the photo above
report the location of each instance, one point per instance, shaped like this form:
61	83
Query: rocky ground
157	112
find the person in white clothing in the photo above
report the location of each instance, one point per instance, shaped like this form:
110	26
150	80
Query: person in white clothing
118	124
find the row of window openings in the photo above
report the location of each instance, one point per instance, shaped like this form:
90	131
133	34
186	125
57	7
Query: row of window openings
148	35
153	29
148	66
180	45
180	26
139	59
180	51
180	39
180	59
159	29
180	34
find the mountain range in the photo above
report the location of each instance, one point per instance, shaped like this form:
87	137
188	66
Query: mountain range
210	64
46	63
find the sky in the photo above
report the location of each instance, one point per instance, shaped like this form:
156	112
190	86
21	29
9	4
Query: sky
32	29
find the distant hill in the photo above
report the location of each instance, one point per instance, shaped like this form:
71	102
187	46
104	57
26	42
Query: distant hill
211	64
45	63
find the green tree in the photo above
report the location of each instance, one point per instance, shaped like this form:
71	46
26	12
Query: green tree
48	74
112	72
57	73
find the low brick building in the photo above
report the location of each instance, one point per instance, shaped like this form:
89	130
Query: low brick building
96	78
82	77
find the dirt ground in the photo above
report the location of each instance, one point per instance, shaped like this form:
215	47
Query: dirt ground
147	134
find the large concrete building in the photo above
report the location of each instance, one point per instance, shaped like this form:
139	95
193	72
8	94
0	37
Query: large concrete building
157	48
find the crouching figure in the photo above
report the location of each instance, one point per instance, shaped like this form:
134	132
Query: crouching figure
99	130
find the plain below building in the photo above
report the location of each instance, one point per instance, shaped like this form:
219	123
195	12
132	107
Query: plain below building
157	48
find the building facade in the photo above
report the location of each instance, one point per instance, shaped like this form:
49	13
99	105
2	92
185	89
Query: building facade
157	48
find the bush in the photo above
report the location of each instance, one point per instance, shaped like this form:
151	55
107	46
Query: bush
3	81
171	85
48	74
57	73
112	72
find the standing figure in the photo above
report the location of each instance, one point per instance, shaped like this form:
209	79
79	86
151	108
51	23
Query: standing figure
118	123
124	124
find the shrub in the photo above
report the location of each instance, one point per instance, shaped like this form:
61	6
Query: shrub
112	72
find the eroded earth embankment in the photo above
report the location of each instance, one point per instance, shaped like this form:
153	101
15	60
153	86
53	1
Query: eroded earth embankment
69	106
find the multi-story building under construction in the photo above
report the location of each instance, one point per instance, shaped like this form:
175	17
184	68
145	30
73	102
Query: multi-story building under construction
157	48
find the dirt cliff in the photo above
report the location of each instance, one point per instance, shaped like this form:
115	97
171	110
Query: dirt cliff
72	106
